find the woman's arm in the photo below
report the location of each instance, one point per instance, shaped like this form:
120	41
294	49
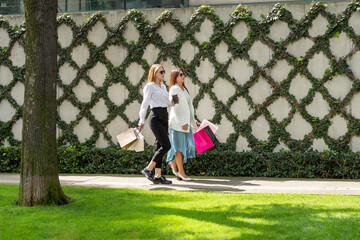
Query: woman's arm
145	103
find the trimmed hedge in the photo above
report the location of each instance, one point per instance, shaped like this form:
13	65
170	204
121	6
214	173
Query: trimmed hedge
216	162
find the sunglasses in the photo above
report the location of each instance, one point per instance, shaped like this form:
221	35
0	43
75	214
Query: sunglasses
181	74
162	72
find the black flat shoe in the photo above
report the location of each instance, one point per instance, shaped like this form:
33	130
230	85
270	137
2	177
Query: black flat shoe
148	174
162	180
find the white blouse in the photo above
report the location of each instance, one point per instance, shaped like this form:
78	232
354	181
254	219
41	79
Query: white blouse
154	96
187	96
183	112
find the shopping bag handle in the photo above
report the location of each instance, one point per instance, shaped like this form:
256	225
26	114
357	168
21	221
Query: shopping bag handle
137	131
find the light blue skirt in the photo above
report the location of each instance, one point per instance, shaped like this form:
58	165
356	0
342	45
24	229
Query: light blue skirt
181	142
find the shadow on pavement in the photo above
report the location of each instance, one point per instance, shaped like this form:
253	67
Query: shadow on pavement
232	182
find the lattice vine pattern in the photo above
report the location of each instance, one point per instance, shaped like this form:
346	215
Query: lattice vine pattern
100	93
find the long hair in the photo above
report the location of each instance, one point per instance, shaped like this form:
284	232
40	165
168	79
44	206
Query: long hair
152	72
173	75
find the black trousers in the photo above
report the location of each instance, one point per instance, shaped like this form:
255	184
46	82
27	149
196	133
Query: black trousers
158	122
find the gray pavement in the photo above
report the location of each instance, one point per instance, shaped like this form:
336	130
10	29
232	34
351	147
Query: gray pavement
208	184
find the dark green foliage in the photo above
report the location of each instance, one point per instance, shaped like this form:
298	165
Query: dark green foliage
215	162
10	158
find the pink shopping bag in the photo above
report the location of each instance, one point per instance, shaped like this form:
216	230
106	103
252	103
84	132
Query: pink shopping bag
202	141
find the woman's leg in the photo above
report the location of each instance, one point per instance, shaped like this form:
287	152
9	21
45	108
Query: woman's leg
157	172
174	165
160	129
179	163
164	143
151	165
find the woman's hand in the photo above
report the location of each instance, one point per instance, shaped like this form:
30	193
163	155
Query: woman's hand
140	126
185	127
197	124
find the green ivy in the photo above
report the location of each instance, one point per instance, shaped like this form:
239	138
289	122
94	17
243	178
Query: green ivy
259	31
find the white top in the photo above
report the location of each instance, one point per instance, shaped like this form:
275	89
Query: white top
155	96
186	95
183	112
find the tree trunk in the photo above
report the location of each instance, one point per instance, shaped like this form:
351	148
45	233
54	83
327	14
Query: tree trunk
39	180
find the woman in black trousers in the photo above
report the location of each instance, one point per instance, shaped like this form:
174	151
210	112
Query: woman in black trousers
156	95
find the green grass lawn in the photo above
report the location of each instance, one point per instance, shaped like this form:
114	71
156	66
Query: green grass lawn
100	213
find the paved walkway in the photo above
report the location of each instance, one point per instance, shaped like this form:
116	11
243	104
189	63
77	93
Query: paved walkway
211	184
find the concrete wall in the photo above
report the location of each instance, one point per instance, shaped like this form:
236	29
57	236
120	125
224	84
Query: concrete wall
223	89
195	3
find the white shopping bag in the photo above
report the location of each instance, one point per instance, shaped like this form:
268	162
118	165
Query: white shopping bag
138	145
126	138
205	123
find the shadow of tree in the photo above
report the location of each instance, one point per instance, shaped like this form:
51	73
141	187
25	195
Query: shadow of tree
208	185
138	214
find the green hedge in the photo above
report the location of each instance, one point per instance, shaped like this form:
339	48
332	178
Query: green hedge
216	162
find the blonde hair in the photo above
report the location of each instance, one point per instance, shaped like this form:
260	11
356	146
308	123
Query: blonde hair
173	76
152	72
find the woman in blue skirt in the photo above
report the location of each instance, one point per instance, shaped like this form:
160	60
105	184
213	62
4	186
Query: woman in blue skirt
181	120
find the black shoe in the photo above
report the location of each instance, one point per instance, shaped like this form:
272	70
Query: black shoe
162	180
148	174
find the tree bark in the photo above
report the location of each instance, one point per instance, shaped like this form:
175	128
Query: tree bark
39	180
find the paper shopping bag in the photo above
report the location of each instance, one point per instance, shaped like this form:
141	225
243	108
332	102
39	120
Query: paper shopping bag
138	145
212	126
211	135
127	138
203	141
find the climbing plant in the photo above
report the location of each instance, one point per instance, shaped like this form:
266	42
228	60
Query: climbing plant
259	31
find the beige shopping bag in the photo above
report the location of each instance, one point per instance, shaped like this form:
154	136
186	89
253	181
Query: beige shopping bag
138	145
127	138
